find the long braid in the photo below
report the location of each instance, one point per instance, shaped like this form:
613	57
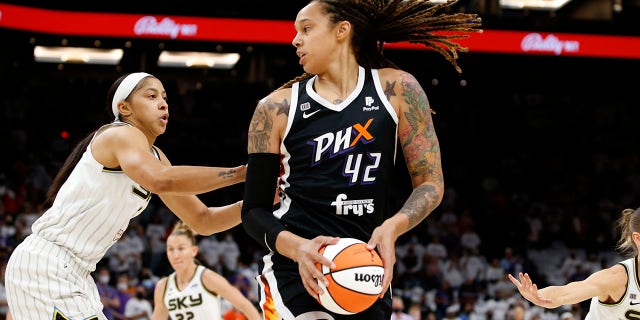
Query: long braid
294	80
376	22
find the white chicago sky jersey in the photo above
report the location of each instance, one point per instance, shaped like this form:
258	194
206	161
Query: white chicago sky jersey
629	305
92	209
194	301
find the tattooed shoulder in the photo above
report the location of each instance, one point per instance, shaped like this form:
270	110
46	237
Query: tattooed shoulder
263	122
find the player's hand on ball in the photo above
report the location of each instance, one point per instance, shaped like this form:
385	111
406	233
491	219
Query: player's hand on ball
384	240
307	256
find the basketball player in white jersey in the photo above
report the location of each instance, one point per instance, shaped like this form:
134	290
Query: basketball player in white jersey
193	291
614	292
106	181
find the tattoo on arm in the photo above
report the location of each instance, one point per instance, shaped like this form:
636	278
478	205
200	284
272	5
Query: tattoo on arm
262	123
227	174
422	152
419	140
421	202
389	91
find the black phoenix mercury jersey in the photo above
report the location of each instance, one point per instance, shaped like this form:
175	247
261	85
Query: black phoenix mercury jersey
338	160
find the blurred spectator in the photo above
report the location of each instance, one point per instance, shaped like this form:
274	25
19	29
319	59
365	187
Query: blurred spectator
138	307
508	261
444	298
239	280
210	252
494	271
137	244
3	293
452	312
473	265
410	264
453	271
29	215
11	200
432	273
123	294
38	183
517	312
108	294
148	280
397	309
415	311
470	240
436	248
570	265
230	252
156	235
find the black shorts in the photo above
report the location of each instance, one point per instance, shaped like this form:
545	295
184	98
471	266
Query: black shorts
283	296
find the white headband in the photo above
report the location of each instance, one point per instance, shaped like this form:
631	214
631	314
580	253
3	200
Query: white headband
125	88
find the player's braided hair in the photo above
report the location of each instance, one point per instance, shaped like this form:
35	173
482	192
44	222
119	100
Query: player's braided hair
375	22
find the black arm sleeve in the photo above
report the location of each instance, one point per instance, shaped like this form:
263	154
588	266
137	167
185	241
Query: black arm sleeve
258	221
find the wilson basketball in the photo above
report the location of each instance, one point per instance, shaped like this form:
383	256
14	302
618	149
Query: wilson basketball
355	282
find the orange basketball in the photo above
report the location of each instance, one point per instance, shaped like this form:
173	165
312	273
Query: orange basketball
355	282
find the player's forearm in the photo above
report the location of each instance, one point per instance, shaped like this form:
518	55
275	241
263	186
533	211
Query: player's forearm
563	295
249	310
192	180
422	201
287	244
222	218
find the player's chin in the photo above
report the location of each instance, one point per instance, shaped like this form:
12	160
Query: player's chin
162	129
308	68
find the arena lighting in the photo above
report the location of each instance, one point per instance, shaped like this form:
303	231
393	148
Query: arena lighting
77	55
190	59
549	5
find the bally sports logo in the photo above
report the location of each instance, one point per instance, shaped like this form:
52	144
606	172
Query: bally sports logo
550	43
365	277
148	25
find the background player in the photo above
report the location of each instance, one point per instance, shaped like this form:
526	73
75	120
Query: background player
614	292
200	288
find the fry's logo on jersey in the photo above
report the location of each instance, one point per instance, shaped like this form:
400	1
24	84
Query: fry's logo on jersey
341	141
356	207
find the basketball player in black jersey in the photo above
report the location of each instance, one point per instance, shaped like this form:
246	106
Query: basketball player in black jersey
335	131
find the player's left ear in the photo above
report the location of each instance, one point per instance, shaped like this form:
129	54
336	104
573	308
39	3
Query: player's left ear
195	251
636	238
124	108
343	30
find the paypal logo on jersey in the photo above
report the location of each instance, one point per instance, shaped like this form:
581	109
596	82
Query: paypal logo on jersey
368	101
340	141
356	207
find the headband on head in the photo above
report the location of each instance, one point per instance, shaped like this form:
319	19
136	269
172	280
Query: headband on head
125	88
